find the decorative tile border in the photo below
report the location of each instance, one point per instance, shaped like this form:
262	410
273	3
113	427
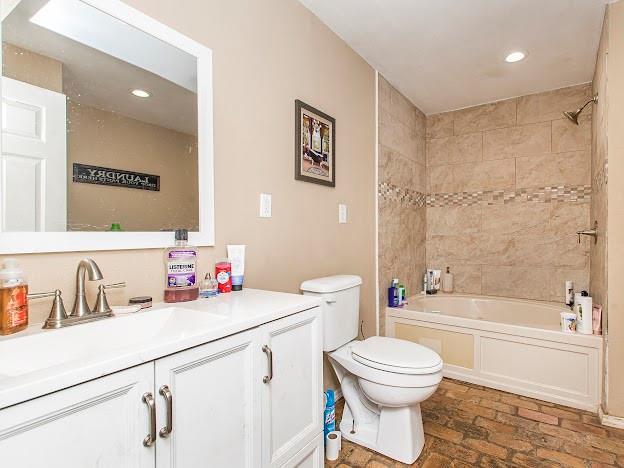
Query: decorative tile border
561	193
405	196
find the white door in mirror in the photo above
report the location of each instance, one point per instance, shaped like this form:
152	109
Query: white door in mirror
34	159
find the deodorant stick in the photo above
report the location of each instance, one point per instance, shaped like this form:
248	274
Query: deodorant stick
569	293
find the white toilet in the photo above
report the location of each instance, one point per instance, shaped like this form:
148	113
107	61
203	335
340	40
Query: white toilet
383	380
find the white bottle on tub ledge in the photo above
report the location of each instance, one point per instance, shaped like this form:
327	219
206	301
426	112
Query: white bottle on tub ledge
584	314
569	293
447	281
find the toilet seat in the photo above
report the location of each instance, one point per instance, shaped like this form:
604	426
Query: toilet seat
395	355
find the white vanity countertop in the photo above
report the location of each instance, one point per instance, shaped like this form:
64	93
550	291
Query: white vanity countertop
36	362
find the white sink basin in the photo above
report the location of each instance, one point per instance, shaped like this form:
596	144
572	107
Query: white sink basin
44	349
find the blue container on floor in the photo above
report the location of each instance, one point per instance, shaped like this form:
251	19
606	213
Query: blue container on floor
330	413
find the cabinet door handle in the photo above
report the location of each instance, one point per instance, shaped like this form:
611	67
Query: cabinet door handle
269	353
166	393
148	399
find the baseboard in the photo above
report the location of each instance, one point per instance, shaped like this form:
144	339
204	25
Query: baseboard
531	391
611	421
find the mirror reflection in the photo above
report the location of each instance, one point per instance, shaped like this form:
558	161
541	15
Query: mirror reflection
99	124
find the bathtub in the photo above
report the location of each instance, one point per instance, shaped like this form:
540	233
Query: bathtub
512	345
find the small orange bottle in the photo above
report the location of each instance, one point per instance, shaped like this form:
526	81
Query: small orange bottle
13	298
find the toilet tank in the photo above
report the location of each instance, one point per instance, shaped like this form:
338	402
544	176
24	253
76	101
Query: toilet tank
340	304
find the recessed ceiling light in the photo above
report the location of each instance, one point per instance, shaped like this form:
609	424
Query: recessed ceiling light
141	93
515	57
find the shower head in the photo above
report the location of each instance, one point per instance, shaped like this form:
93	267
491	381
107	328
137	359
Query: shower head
574	115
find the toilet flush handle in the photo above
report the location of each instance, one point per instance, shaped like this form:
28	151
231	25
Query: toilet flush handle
330	299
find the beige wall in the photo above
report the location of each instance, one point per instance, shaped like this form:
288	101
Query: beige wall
508	186
615	218
401	193
107	139
30	67
266	54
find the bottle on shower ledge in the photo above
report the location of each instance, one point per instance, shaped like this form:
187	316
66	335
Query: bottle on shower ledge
569	294
402	295
431	284
447	281
393	294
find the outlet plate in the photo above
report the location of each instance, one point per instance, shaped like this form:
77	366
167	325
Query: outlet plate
342	213
265	205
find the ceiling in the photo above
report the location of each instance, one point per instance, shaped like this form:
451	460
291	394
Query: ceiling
449	54
103	73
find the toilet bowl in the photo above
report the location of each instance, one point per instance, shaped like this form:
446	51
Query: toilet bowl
383	381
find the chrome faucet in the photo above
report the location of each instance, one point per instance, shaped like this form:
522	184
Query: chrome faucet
589	232
88	265
81	313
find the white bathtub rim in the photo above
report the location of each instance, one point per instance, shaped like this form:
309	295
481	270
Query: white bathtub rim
549	304
549	334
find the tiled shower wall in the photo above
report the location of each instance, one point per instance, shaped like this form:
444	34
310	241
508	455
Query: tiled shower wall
401	186
509	184
496	192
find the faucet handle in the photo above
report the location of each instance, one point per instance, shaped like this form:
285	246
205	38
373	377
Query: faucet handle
41	295
58	312
101	304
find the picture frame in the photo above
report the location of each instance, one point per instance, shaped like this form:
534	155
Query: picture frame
315	145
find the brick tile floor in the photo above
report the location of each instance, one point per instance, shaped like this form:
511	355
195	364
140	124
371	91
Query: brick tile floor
469	425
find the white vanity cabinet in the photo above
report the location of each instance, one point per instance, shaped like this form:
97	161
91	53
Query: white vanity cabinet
292	397
215	402
247	400
100	423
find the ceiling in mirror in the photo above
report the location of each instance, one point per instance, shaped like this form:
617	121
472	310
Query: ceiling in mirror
119	107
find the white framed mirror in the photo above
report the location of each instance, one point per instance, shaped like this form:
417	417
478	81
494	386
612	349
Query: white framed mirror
106	129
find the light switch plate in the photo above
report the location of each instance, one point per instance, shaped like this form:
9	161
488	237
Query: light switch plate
342	213
265	205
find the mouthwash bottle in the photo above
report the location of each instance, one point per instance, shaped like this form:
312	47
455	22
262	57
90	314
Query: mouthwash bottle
181	265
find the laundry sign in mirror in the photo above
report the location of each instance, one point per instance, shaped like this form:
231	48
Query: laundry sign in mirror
83	173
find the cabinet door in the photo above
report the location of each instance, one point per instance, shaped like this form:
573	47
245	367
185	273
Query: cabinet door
292	397
311	456
101	423
215	405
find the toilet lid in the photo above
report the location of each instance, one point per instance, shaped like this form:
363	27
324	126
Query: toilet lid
396	355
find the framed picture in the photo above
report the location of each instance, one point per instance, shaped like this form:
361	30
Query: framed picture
315	145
